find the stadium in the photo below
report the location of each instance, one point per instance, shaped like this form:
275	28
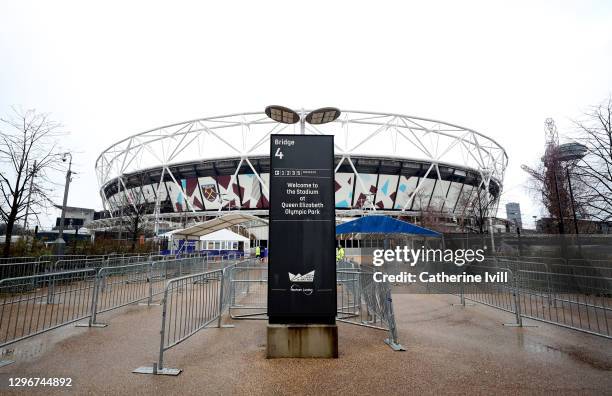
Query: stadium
393	164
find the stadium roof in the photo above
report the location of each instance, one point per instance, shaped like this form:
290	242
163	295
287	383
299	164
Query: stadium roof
383	225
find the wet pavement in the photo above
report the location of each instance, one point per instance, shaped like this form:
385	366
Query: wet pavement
450	349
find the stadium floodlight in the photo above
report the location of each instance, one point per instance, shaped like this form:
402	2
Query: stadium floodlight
323	115
285	115
282	114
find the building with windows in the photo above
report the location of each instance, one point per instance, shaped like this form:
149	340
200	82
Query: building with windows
513	214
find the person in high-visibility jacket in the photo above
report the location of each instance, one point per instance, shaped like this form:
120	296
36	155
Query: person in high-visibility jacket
339	253
257	252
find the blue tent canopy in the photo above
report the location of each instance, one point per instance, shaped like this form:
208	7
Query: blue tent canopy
383	225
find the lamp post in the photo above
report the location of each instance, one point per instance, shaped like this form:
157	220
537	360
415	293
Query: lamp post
25	220
570	153
561	224
285	115
59	242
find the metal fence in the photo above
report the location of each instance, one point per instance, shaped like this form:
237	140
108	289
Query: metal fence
119	286
31	305
20	259
27	268
190	303
364	302
576	297
248	290
194	302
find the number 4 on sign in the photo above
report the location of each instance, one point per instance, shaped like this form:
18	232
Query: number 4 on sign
279	153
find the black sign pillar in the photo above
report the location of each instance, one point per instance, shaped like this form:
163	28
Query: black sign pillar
302	266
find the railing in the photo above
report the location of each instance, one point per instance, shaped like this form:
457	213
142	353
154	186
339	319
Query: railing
26	266
31	305
20	259
570	296
74	264
190	303
364	302
21	269
248	290
579	302
56	257
120	286
194	302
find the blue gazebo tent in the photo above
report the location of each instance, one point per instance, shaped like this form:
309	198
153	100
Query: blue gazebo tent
375	224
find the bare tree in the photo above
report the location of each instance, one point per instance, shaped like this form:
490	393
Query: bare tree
28	152
135	207
594	170
478	206
427	217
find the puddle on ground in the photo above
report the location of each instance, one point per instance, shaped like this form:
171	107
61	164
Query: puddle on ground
568	352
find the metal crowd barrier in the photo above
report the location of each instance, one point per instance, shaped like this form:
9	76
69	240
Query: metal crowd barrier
575	297
32	305
20	269
248	290
364	302
503	293
120	286
190	303
579	302
194	302
74	264
56	257
26	266
20	259
345	265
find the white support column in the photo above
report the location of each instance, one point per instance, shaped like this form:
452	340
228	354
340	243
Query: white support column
257	176
161	180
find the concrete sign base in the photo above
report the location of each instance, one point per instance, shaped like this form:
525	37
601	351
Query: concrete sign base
302	341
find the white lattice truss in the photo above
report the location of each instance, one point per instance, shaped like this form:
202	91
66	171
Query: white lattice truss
357	134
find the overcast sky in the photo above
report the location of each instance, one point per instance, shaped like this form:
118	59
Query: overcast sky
118	68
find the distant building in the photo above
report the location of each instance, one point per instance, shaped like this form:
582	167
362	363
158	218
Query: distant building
75	217
513	214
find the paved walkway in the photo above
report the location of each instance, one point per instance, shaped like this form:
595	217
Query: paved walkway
451	350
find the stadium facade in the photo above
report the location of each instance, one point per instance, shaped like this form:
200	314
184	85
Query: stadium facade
386	163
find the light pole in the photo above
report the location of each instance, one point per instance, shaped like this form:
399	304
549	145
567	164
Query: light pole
561	224
59	242
25	220
570	153
285	115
